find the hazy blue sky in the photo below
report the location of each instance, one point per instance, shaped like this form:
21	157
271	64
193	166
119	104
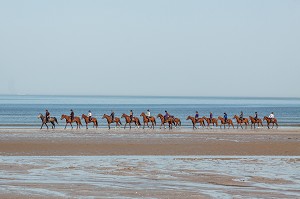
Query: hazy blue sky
194	48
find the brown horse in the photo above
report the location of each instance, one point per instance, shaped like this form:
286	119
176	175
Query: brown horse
269	120
213	121
146	120
135	120
51	120
177	122
87	121
109	120
239	121
194	121
229	122
163	121
68	120
254	121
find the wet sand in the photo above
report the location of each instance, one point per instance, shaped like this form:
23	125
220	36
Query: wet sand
118	163
149	142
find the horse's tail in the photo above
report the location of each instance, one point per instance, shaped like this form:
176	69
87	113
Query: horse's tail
179	122
120	122
154	121
96	122
55	120
139	123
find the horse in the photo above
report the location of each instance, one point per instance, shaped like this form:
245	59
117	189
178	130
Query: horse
239	121
253	121
229	122
135	120
208	121
51	120
271	120
146	120
109	120
177	122
68	120
169	121
194	121
87	121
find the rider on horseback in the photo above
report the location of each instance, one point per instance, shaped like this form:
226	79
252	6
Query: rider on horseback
148	115
131	115
242	116
225	117
112	115
211	117
90	115
271	117
72	115
166	116
256	116
197	115
47	115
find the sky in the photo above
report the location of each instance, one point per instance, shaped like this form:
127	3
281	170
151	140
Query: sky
155	48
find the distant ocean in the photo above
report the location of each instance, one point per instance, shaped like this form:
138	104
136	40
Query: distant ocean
20	111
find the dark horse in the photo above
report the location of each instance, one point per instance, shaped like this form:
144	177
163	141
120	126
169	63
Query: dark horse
146	120
169	121
269	120
240	121
51	120
109	120
229	122
68	120
134	120
87	121
254	121
194	121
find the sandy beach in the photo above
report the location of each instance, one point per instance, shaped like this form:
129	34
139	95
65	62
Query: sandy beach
137	163
59	142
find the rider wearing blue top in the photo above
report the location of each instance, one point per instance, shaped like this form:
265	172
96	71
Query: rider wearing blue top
225	117
197	115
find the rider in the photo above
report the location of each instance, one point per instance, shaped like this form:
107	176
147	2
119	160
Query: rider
210	116
197	115
90	115
47	115
148	114
112	115
225	117
271	116
166	116
241	116
256	116
72	115
131	115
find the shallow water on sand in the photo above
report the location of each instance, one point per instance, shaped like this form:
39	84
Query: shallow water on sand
151	176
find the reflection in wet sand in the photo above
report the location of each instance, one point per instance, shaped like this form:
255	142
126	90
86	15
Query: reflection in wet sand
150	176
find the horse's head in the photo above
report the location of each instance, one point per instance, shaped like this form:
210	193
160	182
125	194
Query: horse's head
189	118
83	116
62	116
266	118
159	116
123	115
142	114
104	116
40	116
220	118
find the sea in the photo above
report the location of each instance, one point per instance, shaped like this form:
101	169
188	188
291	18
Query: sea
21	111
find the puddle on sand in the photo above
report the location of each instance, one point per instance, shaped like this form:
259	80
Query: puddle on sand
151	176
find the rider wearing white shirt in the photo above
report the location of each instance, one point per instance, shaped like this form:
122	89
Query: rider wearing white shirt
90	115
148	114
271	116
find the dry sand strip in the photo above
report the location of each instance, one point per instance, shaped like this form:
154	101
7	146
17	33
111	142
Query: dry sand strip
138	142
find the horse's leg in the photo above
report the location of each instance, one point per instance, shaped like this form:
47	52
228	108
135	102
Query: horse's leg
46	125
42	125
71	125
86	124
125	125
66	125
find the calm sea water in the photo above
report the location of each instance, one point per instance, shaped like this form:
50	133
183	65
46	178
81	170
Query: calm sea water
21	111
